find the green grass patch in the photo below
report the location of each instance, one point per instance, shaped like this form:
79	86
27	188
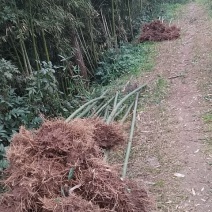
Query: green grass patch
208	117
159	183
207	4
172	10
160	90
157	93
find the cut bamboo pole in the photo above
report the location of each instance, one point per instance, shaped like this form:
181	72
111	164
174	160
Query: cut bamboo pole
115	100
114	111
127	113
93	114
106	112
85	105
103	106
130	138
120	111
84	112
110	118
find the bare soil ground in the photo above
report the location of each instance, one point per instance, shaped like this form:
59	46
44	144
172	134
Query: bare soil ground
172	149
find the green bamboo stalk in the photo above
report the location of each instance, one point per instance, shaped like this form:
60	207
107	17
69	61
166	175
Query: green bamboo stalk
35	49
127	113
106	153
20	40
103	106
114	111
45	46
106	29
92	41
86	110
113	18
62	81
96	109
66	86
130	138
141	4
115	100
130	17
122	101
24	58
33	39
106	112
86	51
82	107
120	111
85	105
104	24
17	55
114	23
27	58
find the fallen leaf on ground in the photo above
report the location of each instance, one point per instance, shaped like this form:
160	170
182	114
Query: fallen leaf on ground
179	175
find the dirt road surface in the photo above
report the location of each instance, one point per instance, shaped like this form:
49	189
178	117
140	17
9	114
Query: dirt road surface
172	149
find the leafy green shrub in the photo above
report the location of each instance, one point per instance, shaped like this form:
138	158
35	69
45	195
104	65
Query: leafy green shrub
15	112
7	72
3	161
39	95
127	59
43	92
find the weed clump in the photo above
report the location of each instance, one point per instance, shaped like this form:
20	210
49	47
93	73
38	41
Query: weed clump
60	167
158	31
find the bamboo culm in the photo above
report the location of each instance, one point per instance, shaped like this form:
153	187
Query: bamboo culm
130	138
86	110
103	106
120	111
110	118
115	100
127	113
114	111
83	106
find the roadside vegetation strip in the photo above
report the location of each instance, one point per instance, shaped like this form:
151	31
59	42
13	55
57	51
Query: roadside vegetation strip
206	84
129	59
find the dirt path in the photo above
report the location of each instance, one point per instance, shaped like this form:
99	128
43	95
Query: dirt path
171	151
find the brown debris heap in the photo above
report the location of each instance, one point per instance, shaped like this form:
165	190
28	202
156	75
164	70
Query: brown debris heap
59	167
158	31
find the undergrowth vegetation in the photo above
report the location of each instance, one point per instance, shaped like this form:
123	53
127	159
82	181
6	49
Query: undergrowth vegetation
209	6
128	59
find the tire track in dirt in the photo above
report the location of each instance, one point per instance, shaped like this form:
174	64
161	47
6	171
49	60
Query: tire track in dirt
171	137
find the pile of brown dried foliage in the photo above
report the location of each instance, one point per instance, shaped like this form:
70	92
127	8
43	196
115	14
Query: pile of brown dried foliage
59	167
158	31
